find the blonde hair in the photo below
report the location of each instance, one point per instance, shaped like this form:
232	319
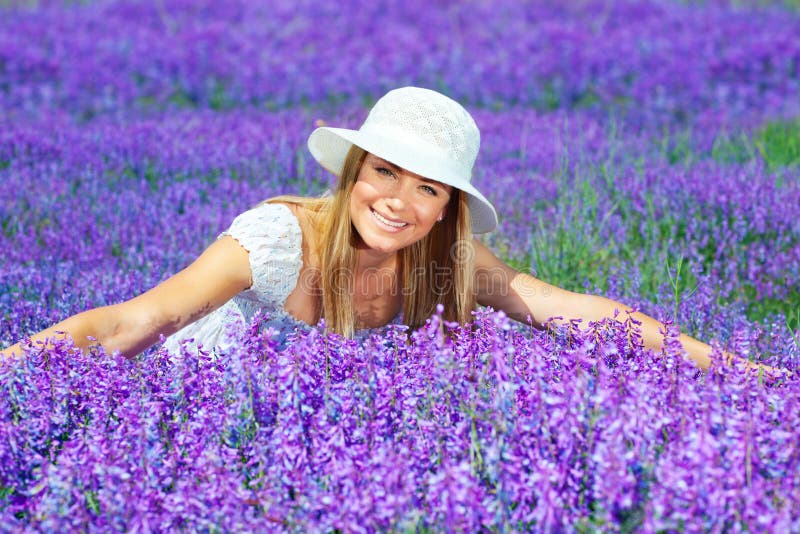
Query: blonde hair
437	269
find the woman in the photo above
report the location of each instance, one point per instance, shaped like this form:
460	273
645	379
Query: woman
394	240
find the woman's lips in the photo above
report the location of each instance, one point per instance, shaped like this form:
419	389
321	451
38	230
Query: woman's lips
388	224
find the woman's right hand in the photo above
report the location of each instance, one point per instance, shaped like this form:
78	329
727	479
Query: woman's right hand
219	273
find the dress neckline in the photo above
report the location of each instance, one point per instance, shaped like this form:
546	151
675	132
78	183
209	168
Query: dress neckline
285	315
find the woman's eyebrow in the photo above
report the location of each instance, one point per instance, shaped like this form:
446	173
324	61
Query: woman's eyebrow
389	164
400	169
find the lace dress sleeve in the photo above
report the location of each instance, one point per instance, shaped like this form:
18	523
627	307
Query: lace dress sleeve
271	234
272	237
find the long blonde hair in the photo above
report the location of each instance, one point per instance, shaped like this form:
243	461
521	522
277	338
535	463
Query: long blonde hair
437	269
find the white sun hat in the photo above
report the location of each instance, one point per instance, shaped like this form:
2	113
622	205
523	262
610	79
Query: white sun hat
423	132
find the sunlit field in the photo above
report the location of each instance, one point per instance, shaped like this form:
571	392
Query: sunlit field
644	150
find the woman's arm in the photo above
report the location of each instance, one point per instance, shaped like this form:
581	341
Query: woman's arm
219	273
522	296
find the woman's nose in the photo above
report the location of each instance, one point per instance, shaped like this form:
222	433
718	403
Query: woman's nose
397	197
396	201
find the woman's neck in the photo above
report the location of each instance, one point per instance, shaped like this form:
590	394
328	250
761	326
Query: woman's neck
375	288
370	260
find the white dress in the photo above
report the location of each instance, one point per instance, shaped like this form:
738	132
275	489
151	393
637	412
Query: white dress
271	235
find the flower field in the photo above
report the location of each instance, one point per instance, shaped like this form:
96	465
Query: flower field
644	150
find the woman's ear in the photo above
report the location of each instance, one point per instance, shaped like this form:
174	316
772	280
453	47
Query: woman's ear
441	216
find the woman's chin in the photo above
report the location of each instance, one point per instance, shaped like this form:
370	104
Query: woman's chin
380	246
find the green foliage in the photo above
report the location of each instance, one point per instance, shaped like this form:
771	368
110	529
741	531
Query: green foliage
219	99
569	259
5	491
92	503
676	147
680	287
181	99
570	249
644	229
566	249
589	98
760	309
793	324
549	98
789	4
733	149
778	143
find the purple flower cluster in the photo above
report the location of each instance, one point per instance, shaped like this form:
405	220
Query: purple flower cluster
620	146
459	428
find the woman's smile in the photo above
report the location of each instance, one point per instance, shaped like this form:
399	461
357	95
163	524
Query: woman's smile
390	225
392	208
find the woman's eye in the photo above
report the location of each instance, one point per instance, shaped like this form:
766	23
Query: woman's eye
385	171
430	190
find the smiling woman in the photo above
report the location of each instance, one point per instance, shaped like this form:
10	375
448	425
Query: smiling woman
392	208
393	243
381	248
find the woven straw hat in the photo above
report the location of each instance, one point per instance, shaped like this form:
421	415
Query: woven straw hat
423	132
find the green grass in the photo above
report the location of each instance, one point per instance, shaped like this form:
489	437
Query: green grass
793	324
733	149
569	249
790	4
568	259
760	309
778	143
676	147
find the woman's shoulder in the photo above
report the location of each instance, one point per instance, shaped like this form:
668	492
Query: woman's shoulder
308	221
272	236
306	209
308	224
268	228
297	210
265	219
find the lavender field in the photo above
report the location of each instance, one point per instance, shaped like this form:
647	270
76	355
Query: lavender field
644	150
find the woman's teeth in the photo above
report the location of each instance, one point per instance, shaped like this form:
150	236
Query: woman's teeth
387	222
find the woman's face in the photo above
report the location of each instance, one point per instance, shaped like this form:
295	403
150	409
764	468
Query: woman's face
392	208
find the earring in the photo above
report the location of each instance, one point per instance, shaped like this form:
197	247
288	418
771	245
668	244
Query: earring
439	219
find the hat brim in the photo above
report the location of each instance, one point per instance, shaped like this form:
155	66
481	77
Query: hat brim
330	146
